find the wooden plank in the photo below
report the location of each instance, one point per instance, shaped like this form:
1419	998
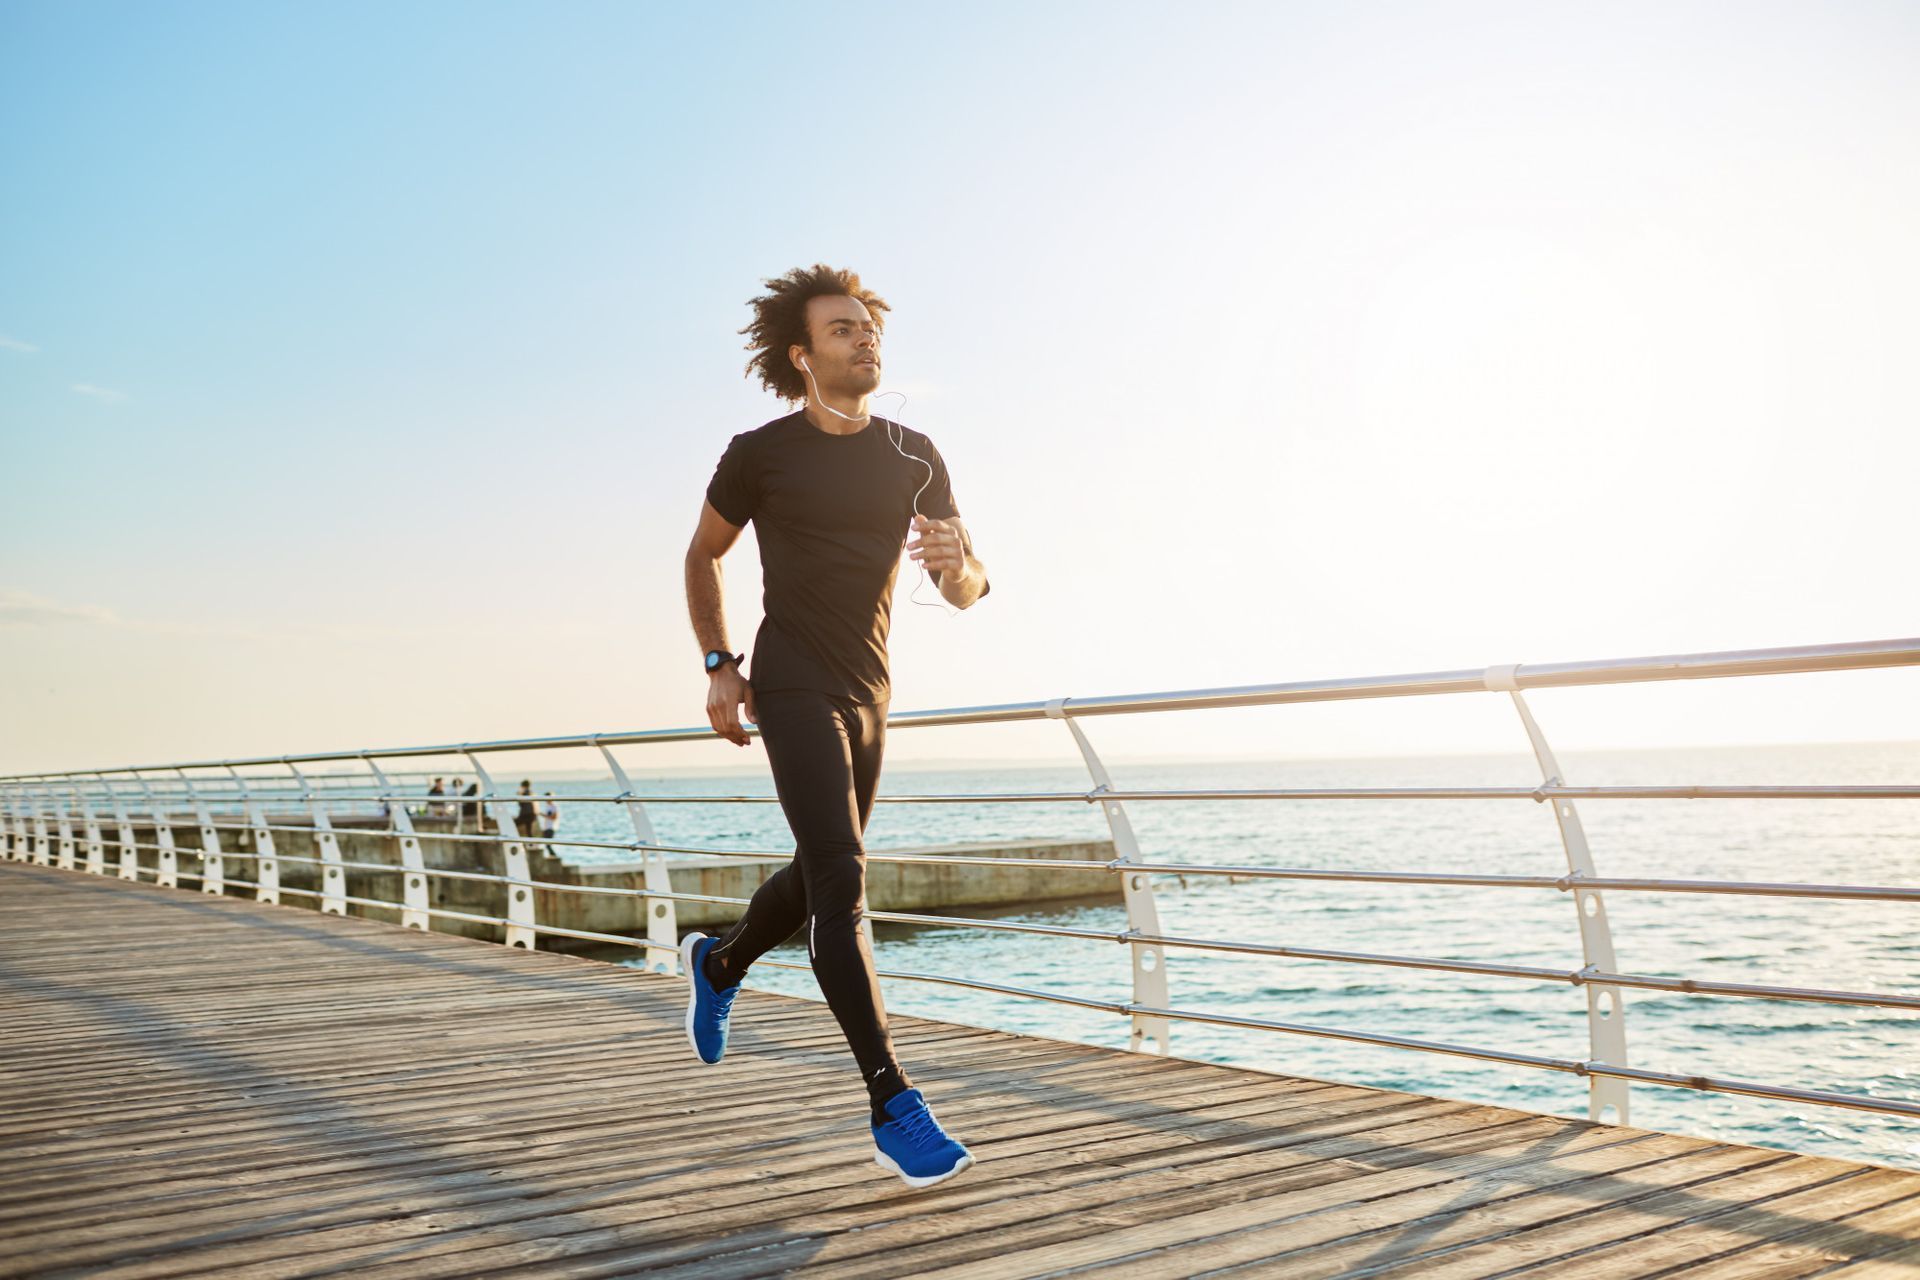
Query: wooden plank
1323	1216
1667	1229
1872	1218
312	1181
1902	1263
591	1172
415	1118
1492	1231
504	1135
1048	1202
557	1066
247	1083
683	1204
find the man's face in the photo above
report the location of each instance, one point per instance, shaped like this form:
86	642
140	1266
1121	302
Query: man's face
846	346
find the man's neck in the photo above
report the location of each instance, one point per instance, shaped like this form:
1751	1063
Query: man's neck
833	424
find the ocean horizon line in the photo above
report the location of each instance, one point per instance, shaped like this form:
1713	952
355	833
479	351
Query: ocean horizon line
942	764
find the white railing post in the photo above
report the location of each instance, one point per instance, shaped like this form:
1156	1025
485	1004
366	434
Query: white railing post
333	876
520	900
23	809
167	861
413	893
129	843
1149	960
213	878
662	924
23	812
42	830
20	802
63	823
266	866
96	846
19	824
1606	1009
42	843
12	835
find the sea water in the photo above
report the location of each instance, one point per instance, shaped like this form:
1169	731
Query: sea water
1863	946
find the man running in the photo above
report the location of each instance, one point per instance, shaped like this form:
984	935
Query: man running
832	492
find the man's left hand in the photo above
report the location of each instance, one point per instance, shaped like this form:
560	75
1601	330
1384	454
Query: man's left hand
939	547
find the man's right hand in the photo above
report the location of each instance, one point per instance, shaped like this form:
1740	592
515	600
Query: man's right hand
727	689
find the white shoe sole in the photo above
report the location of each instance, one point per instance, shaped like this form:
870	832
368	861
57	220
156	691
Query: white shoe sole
886	1162
693	993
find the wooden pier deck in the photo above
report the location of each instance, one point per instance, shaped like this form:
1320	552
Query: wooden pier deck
199	1085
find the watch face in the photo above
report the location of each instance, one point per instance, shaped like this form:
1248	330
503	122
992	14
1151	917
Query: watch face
713	661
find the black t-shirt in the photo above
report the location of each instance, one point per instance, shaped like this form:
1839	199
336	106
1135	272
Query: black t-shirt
832	513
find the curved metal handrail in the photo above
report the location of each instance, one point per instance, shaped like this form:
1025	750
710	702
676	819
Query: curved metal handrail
1692	666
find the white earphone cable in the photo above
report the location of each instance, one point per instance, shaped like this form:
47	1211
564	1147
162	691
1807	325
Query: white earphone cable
914	596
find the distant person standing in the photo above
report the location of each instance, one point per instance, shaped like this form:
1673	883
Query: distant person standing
434	807
549	817
469	808
523	812
832	493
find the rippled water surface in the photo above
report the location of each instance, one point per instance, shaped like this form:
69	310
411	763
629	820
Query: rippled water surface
1842	945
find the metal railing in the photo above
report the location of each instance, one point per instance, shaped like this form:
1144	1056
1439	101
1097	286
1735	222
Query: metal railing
59	819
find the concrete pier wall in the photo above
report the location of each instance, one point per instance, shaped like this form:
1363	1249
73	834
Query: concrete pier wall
891	886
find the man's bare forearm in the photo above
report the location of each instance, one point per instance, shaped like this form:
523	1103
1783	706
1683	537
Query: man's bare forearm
962	589
704	602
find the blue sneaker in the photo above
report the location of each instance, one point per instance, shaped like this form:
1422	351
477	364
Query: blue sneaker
707	1009
913	1145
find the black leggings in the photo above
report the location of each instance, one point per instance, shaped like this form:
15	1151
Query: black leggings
825	751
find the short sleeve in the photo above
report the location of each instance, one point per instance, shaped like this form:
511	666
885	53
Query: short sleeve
734	490
936	502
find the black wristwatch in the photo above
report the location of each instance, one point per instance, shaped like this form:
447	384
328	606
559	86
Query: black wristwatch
718	658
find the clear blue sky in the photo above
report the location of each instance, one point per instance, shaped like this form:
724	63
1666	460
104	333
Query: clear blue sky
361	366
